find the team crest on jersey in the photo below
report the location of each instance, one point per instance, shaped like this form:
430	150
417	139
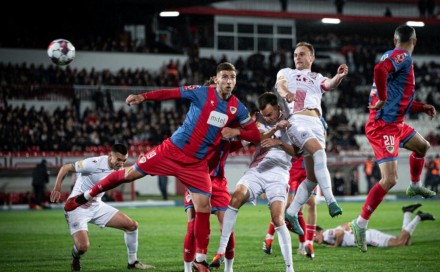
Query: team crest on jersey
190	87
390	149
188	198
142	159
399	58
233	109
313	75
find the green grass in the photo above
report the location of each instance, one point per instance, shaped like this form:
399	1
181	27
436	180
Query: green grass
40	241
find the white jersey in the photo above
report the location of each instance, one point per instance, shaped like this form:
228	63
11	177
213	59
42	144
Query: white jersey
265	159
89	172
306	85
373	238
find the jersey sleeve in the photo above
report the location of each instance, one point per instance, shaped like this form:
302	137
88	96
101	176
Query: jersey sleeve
86	166
243	115
400	59
191	93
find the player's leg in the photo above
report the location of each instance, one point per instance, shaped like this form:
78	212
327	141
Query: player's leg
202	228
130	227
230	248
401	240
80	246
277	208
419	147
189	246
319	173
311	225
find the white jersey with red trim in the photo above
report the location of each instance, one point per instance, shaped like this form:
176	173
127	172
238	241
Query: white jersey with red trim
89	172
306	85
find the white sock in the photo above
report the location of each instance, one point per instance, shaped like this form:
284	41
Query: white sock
228	265
415	184
406	219
268	236
411	226
131	241
285	243
361	222
302	195
229	220
187	266
200	257
323	175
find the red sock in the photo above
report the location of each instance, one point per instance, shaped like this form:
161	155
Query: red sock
109	182
416	164
374	198
230	248
271	229
302	223
310	234
201	232
189	247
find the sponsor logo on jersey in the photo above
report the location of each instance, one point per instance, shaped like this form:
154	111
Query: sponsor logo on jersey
217	119
233	110
190	87
390	149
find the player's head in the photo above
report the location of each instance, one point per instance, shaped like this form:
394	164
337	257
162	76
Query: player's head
226	78
118	156
319	238
269	107
303	56
405	34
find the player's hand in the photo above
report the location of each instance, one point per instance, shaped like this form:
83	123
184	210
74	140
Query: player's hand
270	142
283	124
134	99
378	106
228	132
290	97
55	196
342	70
429	110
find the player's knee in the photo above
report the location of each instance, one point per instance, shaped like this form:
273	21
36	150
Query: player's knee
390	180
132	226
278	221
82	247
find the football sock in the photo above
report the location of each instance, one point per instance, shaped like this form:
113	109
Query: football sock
416	164
111	181
187	266
201	233
230	248
406	219
411	226
302	223
228	265
310	233
189	247
229	220
302	195
75	253
374	198
285	243
270	231
323	175
131	241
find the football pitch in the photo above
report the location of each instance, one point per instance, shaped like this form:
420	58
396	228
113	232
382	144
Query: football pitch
40	241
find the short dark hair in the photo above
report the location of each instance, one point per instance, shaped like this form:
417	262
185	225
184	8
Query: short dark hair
318	228
120	148
267	98
308	45
225	66
404	33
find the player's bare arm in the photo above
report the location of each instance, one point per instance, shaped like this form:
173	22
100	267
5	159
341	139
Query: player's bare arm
55	195
337	79
270	142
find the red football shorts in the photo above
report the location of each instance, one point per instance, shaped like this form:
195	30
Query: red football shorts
386	138
297	176
219	199
167	159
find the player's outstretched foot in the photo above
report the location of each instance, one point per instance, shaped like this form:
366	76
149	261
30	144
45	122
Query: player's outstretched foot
334	209
310	251
301	250
76	265
201	266
411	208
293	220
359	236
421	191
425	216
140	266
74	202
217	261
267	246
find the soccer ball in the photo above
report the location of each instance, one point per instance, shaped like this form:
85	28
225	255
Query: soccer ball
61	52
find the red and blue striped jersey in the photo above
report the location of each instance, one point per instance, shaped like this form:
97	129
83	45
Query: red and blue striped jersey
200	132
400	87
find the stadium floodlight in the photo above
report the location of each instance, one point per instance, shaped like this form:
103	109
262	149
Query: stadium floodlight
415	23
334	21
169	14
